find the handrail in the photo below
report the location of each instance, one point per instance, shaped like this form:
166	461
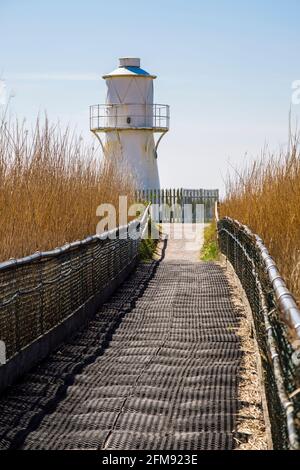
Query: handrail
277	323
37	256
286	301
41	291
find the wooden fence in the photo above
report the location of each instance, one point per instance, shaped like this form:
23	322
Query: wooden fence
181	205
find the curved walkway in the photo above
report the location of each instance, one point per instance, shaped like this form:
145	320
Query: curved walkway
156	369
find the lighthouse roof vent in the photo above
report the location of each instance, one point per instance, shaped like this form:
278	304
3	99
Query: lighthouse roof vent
129	67
130	62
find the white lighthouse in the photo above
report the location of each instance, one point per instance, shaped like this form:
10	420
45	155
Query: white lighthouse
127	123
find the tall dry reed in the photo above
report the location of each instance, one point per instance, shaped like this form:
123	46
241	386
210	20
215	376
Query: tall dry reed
266	196
50	187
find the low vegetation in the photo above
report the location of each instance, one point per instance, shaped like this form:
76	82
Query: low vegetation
210	250
266	196
148	245
50	187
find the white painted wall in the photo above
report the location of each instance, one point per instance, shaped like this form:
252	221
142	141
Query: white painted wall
131	88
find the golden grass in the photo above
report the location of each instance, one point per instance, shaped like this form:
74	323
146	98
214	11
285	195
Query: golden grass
266	197
50	187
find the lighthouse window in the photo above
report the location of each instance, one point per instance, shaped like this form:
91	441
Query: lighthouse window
128	120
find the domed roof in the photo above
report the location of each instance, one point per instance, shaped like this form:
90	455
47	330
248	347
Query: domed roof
129	67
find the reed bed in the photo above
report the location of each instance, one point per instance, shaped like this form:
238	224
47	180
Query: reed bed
50	186
265	195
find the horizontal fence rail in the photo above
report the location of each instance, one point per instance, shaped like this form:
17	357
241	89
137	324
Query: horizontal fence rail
277	324
173	201
39	292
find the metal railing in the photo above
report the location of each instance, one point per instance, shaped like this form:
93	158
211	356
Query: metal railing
277	325
39	292
107	117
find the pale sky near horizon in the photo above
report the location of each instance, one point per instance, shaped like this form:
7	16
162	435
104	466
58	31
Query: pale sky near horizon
225	67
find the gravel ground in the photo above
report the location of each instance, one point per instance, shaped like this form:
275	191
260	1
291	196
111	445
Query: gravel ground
253	419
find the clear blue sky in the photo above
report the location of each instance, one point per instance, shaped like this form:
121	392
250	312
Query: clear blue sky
224	66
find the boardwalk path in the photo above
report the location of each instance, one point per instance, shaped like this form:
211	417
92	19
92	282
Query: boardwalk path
156	369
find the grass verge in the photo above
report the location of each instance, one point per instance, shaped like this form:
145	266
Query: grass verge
210	249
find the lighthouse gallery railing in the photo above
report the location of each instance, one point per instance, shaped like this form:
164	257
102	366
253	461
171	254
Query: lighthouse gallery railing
106	117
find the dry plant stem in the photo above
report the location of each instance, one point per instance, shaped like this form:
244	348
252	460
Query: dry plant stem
50	187
252	418
265	195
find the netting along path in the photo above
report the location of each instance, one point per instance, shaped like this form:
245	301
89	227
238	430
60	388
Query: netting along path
156	369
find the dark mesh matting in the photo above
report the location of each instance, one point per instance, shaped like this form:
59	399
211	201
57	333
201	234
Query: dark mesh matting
156	369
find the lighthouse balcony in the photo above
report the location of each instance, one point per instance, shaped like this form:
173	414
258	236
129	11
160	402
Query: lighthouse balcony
110	117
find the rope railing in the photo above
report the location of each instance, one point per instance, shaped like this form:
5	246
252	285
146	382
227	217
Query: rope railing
41	291
277	326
